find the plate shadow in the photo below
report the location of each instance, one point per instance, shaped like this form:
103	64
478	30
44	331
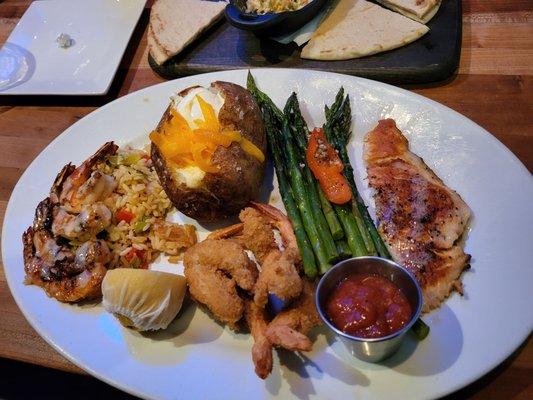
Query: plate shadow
438	352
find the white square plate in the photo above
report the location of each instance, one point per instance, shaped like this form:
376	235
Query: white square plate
31	61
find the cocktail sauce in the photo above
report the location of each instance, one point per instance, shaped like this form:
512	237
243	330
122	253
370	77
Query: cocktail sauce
368	306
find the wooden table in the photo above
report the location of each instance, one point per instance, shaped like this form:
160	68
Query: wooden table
493	87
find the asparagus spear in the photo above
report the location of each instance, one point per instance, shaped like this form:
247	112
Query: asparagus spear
343	248
302	223
344	214
305	181
340	135
420	329
337	130
353	235
305	202
318	232
331	217
299	133
306	250
273	119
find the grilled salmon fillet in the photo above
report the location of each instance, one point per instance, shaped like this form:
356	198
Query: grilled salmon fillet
420	219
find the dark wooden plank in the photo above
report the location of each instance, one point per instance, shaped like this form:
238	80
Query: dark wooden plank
433	57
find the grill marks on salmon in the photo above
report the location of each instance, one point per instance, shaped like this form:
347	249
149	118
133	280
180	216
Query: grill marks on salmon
420	219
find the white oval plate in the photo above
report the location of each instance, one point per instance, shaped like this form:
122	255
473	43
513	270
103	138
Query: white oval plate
198	358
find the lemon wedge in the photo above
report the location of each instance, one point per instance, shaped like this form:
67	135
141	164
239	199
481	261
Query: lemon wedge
143	299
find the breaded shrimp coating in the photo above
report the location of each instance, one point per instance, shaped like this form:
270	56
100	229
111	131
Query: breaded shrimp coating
257	234
214	269
279	277
289	328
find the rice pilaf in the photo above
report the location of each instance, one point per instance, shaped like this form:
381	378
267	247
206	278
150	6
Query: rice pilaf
139	204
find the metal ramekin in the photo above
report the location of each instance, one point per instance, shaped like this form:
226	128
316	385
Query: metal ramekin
375	349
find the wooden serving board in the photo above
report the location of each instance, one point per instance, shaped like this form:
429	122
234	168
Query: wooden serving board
433	57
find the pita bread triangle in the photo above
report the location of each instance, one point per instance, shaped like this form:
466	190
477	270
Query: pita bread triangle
357	28
173	24
419	10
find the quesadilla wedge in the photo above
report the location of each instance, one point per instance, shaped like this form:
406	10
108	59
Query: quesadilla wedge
419	10
358	28
176	23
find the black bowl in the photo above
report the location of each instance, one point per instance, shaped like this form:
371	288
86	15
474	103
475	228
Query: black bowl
271	23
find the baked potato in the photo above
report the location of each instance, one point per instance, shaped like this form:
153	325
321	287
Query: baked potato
217	180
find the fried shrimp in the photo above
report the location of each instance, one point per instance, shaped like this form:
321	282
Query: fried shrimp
214	269
257	320
289	328
281	222
257	234
278	277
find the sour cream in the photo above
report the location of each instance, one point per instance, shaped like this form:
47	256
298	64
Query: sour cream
188	105
191	176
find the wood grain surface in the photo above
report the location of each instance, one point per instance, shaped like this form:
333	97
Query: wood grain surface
493	87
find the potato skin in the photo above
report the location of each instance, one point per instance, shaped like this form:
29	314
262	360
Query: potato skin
240	178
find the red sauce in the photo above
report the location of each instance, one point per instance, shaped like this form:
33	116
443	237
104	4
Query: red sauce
369	306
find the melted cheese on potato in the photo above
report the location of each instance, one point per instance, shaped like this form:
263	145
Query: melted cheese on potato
189	138
189	107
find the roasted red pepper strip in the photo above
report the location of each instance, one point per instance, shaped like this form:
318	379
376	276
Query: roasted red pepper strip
327	168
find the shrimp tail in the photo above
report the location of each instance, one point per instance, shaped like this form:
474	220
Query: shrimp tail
281	222
288	338
70	182
57	186
227	232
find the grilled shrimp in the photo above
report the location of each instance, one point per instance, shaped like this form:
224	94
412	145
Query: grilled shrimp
79	213
84	185
92	219
67	275
72	211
